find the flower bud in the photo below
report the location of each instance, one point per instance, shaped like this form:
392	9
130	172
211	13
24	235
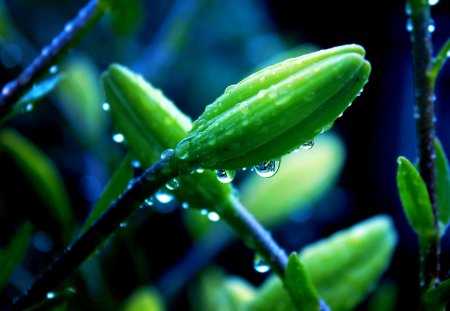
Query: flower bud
275	110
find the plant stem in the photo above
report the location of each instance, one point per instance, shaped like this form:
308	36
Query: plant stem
72	32
254	235
424	96
118	212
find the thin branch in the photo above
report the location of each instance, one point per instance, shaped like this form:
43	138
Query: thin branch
439	61
424	95
119	211
73	31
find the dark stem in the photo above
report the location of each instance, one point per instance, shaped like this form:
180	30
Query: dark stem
254	235
72	32
119	211
424	96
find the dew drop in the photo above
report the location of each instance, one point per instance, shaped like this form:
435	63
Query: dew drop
199	170
431	26
260	265
225	176
213	216
123	224
68	27
433	2
118	138
408	9
135	164
149	201
7	88
448	53
53	69
50	295
409	25
106	106
185	205
308	145
173	184
29	107
203	211
163	197
166	153
267	168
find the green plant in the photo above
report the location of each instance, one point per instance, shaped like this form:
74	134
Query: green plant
256	123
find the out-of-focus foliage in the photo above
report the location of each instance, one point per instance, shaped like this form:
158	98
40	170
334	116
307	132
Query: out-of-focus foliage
144	298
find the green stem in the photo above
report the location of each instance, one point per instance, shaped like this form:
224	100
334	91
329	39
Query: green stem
72	32
118	212
424	96
439	61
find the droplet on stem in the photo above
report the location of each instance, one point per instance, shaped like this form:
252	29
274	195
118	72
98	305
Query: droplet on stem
118	138
163	196
260	265
225	176
268	168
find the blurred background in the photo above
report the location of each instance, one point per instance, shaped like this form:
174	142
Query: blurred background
192	50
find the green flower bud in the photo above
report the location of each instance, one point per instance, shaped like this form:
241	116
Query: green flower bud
344	268
275	110
151	124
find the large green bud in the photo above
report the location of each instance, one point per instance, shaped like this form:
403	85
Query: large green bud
275	110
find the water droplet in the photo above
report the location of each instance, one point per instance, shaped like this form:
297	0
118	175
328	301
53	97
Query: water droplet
213	216
166	153
163	196
149	201
68	27
173	184
308	145
199	170
45	51
448	53
123	224
433	2
50	295
408	9
359	94
267	168
7	88
185	205
135	164
118	138
260	265
53	69
106	106
409	25
431	26
29	107
340	115
225	176
230	88
203	211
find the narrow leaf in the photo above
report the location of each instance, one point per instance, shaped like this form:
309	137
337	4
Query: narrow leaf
438	297
414	197
299	286
145	298
115	187
11	255
43	176
442	187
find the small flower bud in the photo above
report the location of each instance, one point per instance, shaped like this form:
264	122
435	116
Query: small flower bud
275	110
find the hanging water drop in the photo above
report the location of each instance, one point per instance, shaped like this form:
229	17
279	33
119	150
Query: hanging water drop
123	224
118	138
173	184
185	205
163	197
135	164
225	176
199	170
50	295
267	168
166	153
7	88
308	145
213	216
53	69
448	53
106	106
431	26
260	265
433	2
409	25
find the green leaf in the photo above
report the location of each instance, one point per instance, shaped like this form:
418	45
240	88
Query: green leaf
11	255
30	99
275	110
117	185
442	187
299	286
43	176
414	197
437	298
145	298
126	16
344	267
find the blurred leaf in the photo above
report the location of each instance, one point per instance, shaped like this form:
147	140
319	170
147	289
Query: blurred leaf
414	197
144	299
438	297
43	176
344	267
303	177
219	292
11	255
80	98
384	298
116	185
442	186
28	101
126	16
300	288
